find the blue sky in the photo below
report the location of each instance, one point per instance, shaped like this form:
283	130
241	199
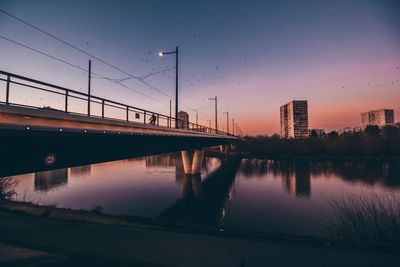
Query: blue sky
342	56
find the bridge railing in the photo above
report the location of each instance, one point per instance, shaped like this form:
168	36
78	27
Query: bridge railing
18	92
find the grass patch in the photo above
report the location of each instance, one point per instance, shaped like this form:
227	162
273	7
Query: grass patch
367	218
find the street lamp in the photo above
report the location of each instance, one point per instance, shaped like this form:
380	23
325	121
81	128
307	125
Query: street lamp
216	116
227	121
161	54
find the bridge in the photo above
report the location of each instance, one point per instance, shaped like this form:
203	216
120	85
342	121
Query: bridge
39	137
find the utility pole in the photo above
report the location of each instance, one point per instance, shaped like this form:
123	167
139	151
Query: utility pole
89	76
176	88
233	126
216	115
227	121
170	114
216	112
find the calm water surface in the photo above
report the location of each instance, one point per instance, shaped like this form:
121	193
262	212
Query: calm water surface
258	195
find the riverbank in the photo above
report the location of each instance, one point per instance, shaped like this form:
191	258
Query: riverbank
360	145
132	239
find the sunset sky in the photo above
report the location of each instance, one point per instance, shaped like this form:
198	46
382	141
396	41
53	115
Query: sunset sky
341	56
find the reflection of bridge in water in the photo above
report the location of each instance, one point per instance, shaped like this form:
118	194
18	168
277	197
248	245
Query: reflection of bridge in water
204	201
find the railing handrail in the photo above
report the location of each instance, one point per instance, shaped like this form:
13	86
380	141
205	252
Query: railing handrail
104	102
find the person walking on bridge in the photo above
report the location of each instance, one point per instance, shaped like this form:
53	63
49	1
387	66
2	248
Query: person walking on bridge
153	119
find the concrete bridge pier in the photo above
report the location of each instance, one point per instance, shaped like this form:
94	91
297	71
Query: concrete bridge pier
232	146
192	161
225	149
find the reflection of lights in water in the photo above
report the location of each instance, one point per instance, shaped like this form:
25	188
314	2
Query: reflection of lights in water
223	213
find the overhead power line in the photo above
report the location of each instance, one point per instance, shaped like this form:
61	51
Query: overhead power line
77	67
138	78
84	52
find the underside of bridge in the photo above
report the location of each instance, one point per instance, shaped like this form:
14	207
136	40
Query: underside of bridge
35	140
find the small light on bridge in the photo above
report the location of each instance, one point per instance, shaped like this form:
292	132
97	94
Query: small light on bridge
161	54
60	130
85	131
119	132
28	128
104	131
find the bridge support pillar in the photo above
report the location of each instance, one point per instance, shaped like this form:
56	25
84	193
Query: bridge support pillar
192	161
225	149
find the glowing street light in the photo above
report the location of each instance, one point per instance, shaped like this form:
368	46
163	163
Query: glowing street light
161	54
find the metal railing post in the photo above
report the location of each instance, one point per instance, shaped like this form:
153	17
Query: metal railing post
66	101
8	90
127	114
102	108
158	119
89	87
144	117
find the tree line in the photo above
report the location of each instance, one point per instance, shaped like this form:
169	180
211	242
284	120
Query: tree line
371	142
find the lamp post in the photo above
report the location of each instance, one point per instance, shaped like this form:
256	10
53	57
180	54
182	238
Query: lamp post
170	116
176	81
227	121
89	86
216	112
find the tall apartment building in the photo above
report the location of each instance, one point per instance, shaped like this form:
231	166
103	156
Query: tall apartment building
294	119
380	117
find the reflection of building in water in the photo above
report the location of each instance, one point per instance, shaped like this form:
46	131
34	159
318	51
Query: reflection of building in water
164	160
81	170
257	167
298	182
47	180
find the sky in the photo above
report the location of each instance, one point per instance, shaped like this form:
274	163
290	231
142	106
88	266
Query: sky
341	56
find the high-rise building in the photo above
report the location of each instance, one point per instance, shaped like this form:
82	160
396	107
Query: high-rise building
294	119
380	117
183	120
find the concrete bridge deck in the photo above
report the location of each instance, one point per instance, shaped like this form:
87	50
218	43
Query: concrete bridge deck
16	117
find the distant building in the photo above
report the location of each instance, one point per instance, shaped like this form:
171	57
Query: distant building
381	117
183	120
349	130
294	119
